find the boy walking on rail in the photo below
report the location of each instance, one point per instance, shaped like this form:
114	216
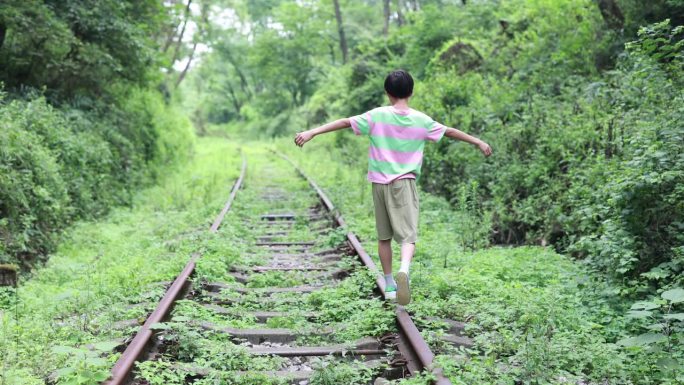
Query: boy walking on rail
397	137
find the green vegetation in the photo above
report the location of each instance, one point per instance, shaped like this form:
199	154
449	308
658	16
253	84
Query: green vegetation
564	251
110	271
83	125
536	316
580	99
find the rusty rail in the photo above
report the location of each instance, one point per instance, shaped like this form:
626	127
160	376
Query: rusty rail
231	198
416	350
124	365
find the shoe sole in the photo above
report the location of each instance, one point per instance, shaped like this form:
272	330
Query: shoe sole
391	296
403	290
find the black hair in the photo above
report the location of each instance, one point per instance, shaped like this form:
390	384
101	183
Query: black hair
399	84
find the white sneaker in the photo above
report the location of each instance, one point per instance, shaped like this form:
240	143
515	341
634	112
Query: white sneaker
391	295
403	289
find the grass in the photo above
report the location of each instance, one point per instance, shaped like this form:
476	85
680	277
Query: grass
536	317
104	268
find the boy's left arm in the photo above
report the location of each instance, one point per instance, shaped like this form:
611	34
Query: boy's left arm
303	137
462	136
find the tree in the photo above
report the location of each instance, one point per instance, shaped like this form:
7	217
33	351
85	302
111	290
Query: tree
611	13
340	30
386	16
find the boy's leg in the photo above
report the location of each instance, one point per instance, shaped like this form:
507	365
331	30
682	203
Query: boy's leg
403	215
407	250
384	230
385	253
403	287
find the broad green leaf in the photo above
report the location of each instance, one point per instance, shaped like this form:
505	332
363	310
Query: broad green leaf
106	346
96	361
639	314
160	326
674	295
641	340
675	316
101	375
657	326
668	363
66	350
644	305
65	371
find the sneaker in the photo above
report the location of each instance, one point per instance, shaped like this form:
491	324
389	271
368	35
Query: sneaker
403	289
390	294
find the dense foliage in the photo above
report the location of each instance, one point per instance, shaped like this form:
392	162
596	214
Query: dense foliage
581	104
536	316
81	124
582	101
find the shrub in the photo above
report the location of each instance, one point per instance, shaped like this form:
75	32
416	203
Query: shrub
63	164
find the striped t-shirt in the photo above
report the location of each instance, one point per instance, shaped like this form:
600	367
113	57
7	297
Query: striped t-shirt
397	138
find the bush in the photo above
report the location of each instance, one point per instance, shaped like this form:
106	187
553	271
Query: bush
59	165
590	164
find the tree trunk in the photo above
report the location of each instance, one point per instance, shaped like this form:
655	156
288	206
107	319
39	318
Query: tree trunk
243	79
236	102
386	14
416	5
170	34
340	29
3	32
400	15
182	33
187	65
611	13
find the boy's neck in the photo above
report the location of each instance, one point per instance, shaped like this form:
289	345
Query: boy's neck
400	104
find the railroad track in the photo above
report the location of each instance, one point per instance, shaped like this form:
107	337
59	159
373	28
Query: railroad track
290	310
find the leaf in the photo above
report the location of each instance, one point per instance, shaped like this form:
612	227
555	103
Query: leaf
160	326
639	314
101	375
668	363
66	350
63	372
675	316
96	361
674	295
106	346
642	339
656	327
644	305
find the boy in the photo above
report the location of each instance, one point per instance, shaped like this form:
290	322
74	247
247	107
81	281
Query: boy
397	137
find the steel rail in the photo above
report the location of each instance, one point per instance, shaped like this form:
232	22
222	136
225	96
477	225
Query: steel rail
214	227
419	347
124	365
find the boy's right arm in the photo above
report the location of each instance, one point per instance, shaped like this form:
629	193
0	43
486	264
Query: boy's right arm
303	137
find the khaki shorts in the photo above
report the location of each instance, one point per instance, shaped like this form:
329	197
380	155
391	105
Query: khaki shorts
396	210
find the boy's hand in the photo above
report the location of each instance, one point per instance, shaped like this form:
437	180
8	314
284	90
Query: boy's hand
484	147
303	137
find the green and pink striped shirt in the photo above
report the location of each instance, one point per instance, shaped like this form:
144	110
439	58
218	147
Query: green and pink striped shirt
397	138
